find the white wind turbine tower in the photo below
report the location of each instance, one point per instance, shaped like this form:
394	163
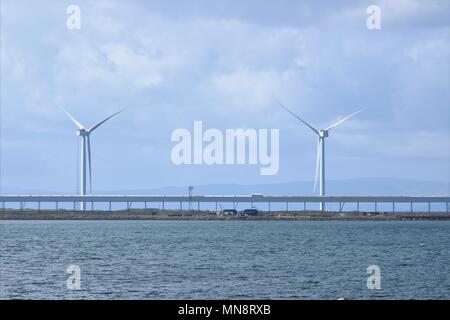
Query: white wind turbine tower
320	162
86	151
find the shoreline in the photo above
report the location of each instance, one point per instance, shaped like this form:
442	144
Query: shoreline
206	216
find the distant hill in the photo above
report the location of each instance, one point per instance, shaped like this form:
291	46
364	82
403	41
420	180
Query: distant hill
362	186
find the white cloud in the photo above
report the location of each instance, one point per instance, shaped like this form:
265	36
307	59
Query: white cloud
412	11
429	49
232	70
408	145
247	91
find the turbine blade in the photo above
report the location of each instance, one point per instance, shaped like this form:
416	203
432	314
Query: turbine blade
79	125
89	161
340	121
303	121
318	160
103	121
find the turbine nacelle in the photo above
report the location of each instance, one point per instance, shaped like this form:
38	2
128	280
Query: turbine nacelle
323	133
82	132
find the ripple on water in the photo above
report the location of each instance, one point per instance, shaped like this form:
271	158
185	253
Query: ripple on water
224	259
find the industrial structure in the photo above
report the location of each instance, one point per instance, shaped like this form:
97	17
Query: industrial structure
320	160
86	151
288	203
141	202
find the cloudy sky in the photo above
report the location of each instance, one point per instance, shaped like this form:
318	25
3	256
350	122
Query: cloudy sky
225	63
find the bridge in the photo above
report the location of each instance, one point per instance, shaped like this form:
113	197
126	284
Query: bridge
352	203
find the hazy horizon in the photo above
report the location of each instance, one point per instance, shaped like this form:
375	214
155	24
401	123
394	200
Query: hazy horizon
358	186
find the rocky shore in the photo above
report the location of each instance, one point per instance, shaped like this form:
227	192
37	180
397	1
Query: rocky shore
210	216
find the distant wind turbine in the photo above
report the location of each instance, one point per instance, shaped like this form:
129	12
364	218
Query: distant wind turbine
320	161
86	151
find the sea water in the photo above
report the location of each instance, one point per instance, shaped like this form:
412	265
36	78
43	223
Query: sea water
224	259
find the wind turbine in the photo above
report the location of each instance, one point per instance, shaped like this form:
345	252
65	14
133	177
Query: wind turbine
86	151
320	161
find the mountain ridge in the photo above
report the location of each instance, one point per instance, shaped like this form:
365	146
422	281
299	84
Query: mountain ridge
357	186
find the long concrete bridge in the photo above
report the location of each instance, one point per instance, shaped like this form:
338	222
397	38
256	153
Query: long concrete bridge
142	201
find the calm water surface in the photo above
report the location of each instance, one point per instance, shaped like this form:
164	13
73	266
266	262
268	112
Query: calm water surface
224	259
